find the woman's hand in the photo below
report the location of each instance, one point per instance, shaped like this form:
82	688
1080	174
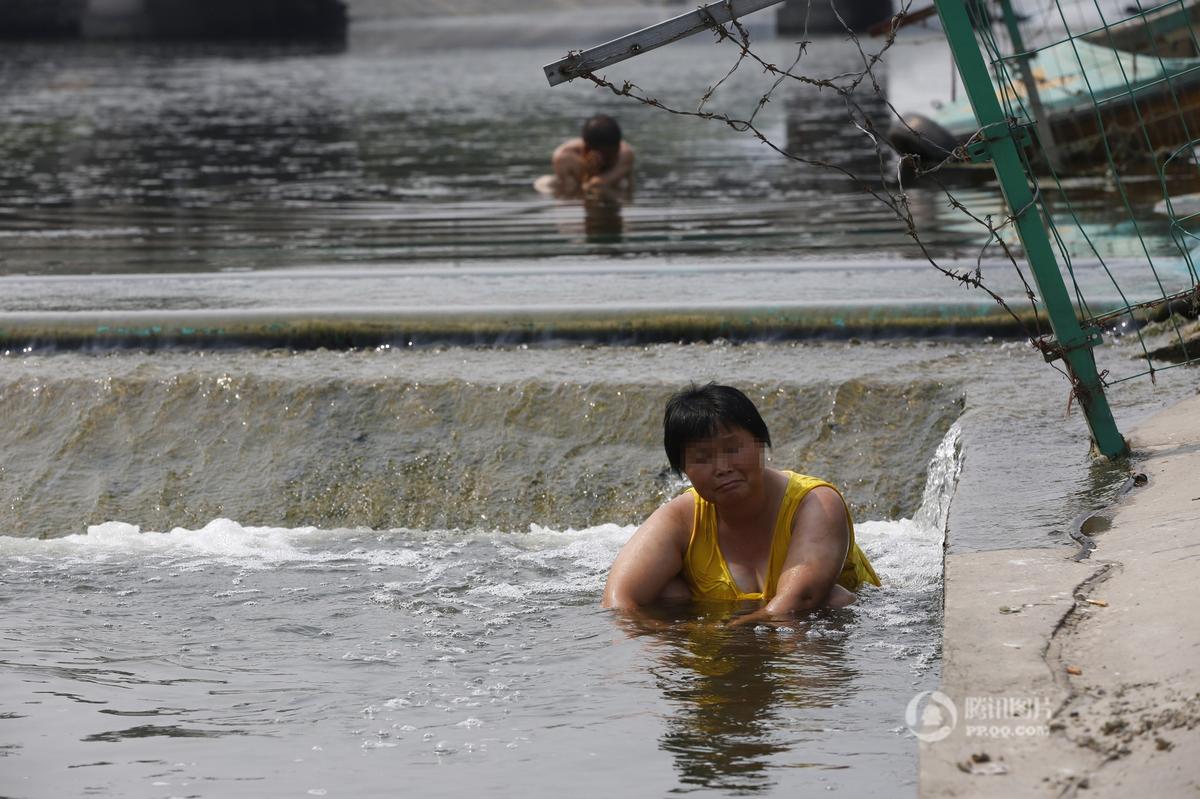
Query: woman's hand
760	616
838	598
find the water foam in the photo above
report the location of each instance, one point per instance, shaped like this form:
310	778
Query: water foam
221	540
909	552
542	561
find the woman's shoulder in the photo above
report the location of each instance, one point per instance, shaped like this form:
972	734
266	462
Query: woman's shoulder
801	487
798	480
681	513
681	506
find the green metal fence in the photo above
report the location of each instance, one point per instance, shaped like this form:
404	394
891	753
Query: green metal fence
1114	97
1061	97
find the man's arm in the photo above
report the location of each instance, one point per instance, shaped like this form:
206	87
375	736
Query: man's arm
621	170
568	166
816	554
651	557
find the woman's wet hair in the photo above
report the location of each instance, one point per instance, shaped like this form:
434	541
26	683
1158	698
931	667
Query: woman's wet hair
697	412
601	132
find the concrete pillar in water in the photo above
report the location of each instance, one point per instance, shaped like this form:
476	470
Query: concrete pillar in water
30	18
214	19
858	15
115	19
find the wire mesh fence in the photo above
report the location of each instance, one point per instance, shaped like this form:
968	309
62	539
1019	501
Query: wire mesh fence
1121	97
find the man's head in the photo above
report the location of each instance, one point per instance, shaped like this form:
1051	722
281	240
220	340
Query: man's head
601	134
700	412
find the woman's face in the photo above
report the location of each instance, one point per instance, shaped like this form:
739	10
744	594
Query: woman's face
726	467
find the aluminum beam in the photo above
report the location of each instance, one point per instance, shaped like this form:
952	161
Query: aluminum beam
638	42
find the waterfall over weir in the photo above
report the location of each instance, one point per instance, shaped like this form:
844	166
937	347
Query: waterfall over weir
268	438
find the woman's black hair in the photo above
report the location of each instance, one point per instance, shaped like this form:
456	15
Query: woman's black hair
696	412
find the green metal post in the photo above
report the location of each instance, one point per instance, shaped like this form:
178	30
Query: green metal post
1074	343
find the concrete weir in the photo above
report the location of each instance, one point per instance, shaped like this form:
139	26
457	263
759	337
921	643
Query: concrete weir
307	328
1065	676
174	19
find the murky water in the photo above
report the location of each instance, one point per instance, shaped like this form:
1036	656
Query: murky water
241	661
420	141
249	573
388	565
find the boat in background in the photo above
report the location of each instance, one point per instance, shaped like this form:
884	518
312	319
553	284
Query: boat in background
1129	90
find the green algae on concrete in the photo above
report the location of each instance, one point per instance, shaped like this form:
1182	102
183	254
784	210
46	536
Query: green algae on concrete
336	329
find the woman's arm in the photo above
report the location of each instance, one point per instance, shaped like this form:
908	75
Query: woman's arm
816	554
651	557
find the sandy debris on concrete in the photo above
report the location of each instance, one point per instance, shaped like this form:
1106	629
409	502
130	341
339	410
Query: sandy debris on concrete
1105	650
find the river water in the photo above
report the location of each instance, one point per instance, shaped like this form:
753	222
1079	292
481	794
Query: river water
356	571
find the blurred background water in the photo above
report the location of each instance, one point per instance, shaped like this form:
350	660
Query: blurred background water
348	572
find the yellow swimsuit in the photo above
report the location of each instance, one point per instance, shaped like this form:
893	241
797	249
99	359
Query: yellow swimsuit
705	569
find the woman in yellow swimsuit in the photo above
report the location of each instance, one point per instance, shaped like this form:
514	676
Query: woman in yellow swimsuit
743	531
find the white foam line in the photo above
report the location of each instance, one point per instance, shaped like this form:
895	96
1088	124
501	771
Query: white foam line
220	539
907	552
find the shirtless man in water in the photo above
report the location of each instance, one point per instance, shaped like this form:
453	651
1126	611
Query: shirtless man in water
597	161
744	531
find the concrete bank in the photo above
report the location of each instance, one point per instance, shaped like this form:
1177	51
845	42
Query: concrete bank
1064	678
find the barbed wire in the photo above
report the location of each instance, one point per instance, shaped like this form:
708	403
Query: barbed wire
892	164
